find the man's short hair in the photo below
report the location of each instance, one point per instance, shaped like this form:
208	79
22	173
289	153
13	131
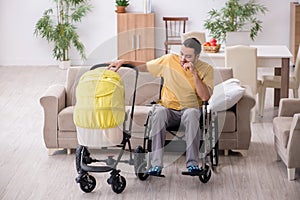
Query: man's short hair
194	44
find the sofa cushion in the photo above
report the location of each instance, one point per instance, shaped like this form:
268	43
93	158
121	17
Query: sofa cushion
226	95
227	121
281	127
65	119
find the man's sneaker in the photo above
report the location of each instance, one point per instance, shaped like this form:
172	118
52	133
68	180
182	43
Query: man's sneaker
194	169
154	171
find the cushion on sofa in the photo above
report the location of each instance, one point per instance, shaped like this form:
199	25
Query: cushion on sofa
65	119
226	95
282	126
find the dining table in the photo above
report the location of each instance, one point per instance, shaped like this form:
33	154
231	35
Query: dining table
275	56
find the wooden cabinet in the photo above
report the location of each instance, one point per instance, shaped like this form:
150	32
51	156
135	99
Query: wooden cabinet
294	28
136	36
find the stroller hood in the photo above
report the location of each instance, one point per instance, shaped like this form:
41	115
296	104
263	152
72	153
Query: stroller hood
100	100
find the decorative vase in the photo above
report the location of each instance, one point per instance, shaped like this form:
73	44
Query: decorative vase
65	64
121	9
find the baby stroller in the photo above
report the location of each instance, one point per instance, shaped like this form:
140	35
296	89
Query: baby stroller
100	116
208	145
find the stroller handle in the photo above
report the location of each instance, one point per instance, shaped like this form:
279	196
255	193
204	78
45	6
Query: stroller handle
106	65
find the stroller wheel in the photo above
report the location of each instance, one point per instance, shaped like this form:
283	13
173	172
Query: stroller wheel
87	183
78	158
139	157
118	184
142	171
204	178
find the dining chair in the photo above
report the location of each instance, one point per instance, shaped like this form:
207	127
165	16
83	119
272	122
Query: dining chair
175	26
238	38
194	34
243	61
269	81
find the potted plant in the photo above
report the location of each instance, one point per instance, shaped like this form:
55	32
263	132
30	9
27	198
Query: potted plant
235	17
121	5
57	25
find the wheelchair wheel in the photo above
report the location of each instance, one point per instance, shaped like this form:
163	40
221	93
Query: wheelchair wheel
214	155
206	176
87	183
139	157
118	184
141	172
214	158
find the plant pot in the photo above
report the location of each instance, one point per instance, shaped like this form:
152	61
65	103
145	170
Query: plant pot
121	9
65	64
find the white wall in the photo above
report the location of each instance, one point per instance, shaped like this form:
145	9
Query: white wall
18	45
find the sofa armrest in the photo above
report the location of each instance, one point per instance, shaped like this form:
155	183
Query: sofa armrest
243	115
247	102
288	107
293	143
53	101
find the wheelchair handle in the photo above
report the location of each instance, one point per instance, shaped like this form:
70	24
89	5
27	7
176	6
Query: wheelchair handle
205	103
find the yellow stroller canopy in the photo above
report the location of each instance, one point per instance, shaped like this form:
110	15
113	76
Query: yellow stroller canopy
100	100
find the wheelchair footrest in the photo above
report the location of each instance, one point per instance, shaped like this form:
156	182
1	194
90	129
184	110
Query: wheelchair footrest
160	175
202	172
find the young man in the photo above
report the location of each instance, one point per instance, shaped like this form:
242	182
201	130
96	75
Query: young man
187	82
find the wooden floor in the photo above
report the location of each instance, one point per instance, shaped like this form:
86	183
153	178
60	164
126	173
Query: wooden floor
27	172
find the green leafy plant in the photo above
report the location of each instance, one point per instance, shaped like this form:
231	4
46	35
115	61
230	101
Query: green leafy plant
235	17
122	3
57	25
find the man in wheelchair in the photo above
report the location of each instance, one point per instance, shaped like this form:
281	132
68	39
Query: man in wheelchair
188	82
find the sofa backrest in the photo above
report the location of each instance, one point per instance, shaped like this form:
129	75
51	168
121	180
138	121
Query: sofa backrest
222	74
148	86
73	76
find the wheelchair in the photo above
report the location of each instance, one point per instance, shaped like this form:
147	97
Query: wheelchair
209	145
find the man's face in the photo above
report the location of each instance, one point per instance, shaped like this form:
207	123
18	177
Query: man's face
188	55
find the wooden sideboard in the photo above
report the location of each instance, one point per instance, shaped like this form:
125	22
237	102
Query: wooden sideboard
136	36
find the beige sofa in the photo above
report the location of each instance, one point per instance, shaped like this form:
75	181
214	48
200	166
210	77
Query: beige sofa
59	100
